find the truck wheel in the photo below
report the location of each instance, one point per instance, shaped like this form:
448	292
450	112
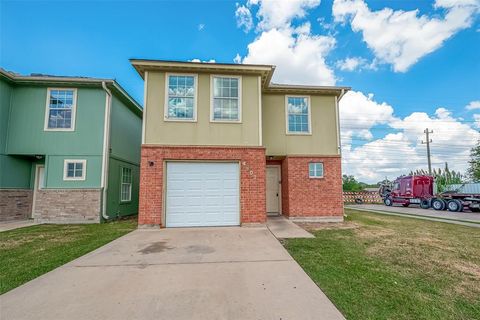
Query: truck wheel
388	201
438	204
445	207
358	201
425	204
454	205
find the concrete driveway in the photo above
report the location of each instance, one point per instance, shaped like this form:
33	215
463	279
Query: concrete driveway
201	273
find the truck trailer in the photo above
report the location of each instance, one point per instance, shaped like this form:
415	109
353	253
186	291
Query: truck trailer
420	189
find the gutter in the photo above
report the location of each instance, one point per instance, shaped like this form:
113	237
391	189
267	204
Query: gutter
106	149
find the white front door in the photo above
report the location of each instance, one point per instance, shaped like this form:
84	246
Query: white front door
39	183
202	194
273	190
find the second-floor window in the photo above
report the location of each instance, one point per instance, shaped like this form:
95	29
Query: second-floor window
226	104
60	113
298	115
181	99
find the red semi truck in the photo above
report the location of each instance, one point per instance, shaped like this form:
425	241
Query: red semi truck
419	190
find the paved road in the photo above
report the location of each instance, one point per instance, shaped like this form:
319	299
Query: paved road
197	273
464	218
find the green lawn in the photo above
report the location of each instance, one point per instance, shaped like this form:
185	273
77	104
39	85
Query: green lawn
382	267
27	253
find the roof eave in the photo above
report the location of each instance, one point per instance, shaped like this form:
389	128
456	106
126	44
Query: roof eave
141	66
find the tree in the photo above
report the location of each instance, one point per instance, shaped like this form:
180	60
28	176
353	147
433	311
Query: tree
442	178
473	171
351	184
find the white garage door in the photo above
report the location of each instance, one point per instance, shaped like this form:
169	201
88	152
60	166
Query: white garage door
202	194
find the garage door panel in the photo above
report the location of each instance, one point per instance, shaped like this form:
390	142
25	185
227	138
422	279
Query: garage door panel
202	194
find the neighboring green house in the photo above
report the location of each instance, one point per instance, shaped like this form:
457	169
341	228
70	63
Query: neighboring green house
69	149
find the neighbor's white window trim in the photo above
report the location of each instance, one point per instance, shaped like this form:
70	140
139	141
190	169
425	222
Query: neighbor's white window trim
309	116
315	170
212	115
122	183
195	97
47	110
84	169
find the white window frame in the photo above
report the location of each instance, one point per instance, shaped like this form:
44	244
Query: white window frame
309	116
122	183
195	97
212	115
47	110
315	170
65	169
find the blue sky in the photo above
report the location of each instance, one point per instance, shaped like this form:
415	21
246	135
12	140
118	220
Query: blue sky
96	38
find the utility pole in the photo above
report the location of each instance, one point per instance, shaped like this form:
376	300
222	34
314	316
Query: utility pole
427	142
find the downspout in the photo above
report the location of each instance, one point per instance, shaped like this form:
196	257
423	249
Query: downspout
337	111
106	149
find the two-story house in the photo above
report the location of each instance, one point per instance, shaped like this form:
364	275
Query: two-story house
223	146
69	149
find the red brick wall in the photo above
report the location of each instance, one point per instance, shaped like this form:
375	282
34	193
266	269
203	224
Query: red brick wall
306	197
252	178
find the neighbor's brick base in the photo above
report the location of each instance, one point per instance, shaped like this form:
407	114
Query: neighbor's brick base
15	204
252	178
303	197
68	206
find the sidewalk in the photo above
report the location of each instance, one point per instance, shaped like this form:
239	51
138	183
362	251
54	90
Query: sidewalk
470	219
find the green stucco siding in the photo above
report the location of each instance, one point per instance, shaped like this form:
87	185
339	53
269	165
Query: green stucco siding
125	141
27	139
5	96
14	171
27	118
125	132
116	208
54	167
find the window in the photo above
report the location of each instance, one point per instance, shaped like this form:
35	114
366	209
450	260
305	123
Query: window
126	185
298	115
74	169
315	170
226	98
181	97
60	112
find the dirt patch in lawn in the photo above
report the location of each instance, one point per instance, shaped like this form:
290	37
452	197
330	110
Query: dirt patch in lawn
314	226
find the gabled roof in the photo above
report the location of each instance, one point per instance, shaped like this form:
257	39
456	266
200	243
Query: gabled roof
265	71
35	78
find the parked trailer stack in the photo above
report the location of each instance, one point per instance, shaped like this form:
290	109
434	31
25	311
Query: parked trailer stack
419	190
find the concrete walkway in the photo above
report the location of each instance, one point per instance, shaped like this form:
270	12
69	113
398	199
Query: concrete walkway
197	273
11	225
469	219
283	228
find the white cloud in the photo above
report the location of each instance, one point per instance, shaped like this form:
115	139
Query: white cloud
244	18
476	118
279	14
359	113
400	37
474	105
393	154
203	61
355	63
298	53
